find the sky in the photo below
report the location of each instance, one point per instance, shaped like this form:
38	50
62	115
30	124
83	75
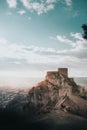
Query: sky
41	35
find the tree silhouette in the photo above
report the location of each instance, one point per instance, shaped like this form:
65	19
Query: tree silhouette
84	27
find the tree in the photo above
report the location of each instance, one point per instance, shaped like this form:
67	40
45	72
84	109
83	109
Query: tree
84	27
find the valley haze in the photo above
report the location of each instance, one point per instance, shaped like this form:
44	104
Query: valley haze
29	82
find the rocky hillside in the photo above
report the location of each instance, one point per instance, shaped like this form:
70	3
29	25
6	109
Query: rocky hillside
56	92
54	102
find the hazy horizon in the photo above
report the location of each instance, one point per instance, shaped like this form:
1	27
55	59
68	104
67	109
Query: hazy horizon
19	83
29	82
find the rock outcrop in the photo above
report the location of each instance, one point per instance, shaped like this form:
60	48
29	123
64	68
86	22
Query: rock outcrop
55	92
55	103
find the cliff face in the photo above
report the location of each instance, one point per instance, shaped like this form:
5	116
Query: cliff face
62	81
44	96
51	92
54	102
56	92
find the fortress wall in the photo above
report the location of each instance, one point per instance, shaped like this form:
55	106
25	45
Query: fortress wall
63	71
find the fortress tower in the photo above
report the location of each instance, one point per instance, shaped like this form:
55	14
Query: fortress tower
63	71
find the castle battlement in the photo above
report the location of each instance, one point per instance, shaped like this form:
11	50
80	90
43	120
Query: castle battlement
63	71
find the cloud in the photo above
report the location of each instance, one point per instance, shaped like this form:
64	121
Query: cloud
78	45
21	12
68	2
77	36
28	54
51	1
80	50
12	3
64	39
39	7
42	59
39	54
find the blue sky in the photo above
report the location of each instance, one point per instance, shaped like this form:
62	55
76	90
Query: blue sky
41	35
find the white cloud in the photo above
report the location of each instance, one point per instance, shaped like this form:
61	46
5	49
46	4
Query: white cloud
39	7
3	41
49	7
63	39
51	1
77	36
17	62
68	2
78	50
78	44
21	12
30	54
12	3
43	59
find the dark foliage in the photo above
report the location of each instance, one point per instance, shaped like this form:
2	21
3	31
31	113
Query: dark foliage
84	27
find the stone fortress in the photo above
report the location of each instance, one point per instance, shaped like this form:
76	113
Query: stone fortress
60	78
55	90
62	71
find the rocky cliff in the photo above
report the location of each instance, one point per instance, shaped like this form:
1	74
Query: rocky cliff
55	92
55	103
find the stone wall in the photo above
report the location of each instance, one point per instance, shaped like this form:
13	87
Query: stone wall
63	71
